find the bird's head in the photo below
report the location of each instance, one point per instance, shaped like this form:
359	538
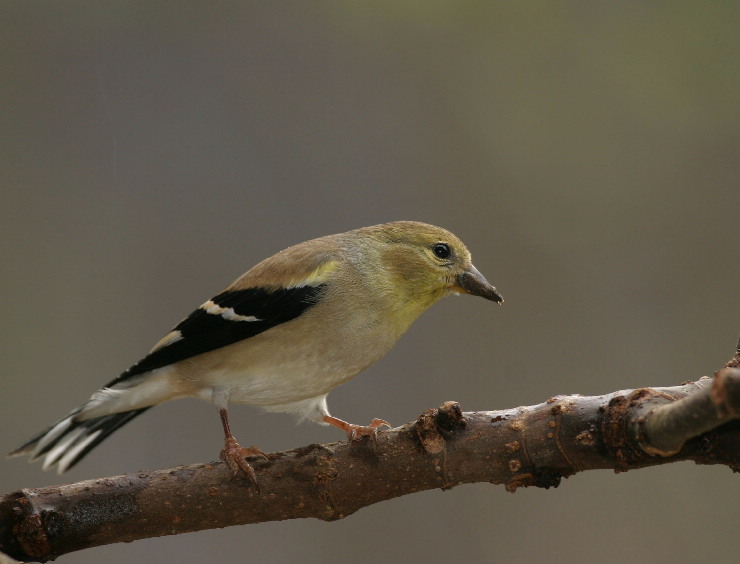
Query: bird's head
426	262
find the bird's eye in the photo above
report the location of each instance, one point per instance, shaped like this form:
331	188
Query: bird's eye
441	250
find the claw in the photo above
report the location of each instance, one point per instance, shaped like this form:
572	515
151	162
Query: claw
356	431
375	423
234	455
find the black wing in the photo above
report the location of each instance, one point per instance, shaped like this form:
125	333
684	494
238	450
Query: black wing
202	331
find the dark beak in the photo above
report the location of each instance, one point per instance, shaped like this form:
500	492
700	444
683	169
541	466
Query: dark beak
472	282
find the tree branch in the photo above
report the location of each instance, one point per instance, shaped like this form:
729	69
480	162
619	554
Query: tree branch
444	447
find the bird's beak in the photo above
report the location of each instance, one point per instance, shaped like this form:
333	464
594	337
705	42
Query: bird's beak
472	282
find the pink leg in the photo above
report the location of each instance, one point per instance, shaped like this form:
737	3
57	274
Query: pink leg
233	453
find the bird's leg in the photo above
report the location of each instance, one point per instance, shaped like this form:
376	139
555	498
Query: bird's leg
356	431
233	453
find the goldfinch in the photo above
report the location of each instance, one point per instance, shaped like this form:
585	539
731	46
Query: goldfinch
282	336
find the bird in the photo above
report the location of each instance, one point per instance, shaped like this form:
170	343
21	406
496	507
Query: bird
281	337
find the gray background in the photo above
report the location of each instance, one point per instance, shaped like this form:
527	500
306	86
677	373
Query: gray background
587	153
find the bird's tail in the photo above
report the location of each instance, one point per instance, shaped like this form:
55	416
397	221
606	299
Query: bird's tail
69	440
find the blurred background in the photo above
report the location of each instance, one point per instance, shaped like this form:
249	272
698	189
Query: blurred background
588	153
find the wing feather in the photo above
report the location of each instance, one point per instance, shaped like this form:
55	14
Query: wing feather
237	315
275	291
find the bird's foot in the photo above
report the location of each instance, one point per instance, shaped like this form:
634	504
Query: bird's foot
356	431
234	455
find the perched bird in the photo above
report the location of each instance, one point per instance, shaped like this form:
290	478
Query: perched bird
282	336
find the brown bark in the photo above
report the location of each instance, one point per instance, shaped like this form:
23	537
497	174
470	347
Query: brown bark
444	447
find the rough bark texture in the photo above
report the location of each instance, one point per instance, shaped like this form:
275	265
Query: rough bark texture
444	447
